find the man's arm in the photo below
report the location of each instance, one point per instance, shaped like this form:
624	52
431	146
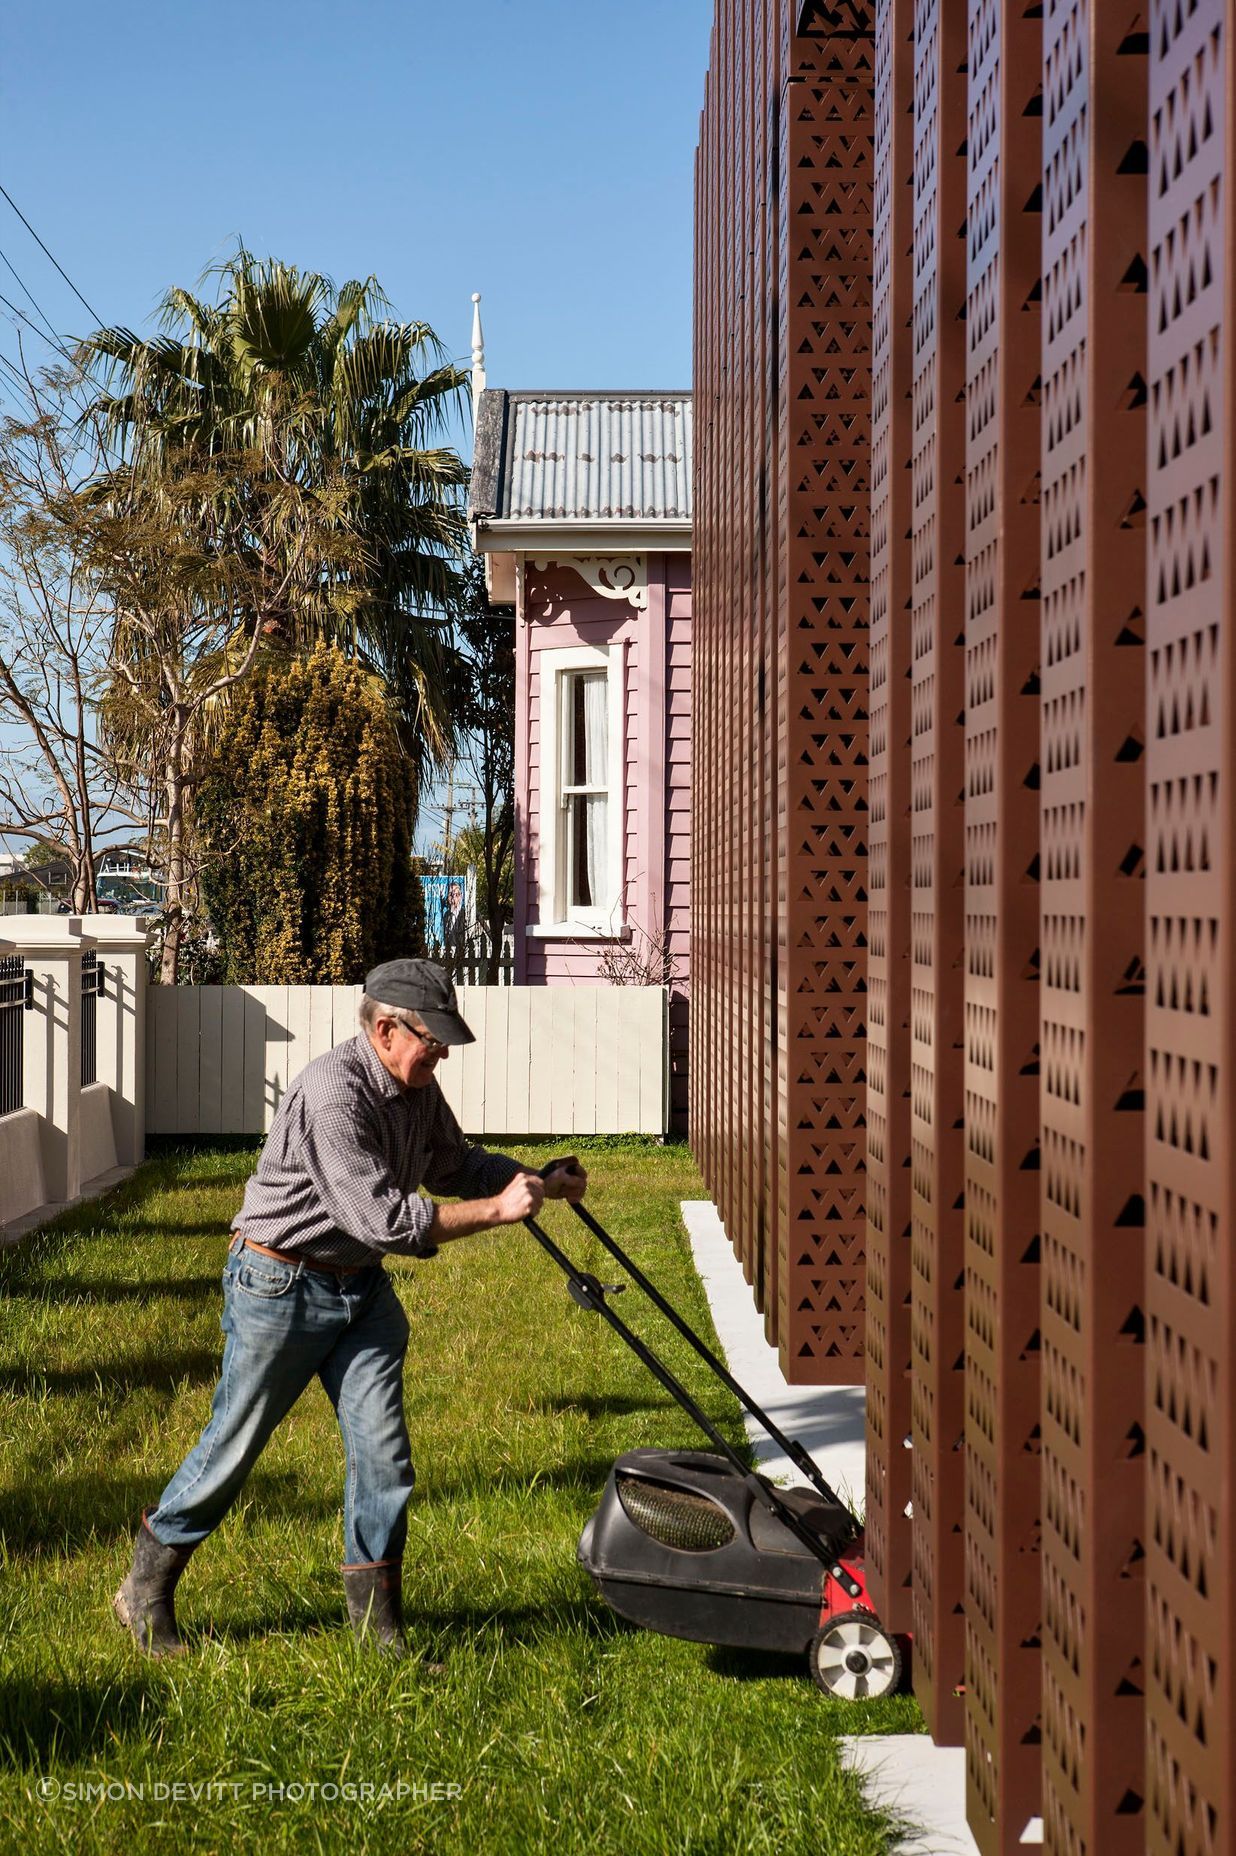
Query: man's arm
343	1156
459	1167
520	1198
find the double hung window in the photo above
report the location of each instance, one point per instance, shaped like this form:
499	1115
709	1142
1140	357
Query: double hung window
581	788
585	788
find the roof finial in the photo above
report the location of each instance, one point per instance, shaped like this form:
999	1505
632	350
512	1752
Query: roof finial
478	354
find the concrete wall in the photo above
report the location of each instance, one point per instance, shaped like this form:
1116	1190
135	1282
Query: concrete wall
22	1185
64	1138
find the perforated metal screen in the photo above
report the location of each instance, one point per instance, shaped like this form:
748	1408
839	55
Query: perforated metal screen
937	860
1092	896
1191	733
783	340
888	955
1003	209
964	760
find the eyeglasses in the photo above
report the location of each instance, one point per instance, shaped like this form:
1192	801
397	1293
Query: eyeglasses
432	1045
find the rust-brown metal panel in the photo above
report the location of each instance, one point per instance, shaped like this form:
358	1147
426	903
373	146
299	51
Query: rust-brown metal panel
937	928
779	255
705	1117
705	1111
748	579
735	851
1092	891
1001	987
783	378
737	235
698	879
736	231
724	610
763	412
695	1039
887	1520
715	690
1191	969
825	363
726	951
740	234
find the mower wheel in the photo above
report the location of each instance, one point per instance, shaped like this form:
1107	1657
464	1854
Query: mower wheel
854	1659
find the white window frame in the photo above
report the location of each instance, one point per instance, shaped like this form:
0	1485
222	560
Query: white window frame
602	920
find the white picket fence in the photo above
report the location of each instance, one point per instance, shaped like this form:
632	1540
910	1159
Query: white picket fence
547	1060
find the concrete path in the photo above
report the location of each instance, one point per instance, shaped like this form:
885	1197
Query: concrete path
829	1421
924	1784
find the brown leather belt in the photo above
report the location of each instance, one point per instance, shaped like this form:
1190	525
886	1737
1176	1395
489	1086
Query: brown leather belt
286	1256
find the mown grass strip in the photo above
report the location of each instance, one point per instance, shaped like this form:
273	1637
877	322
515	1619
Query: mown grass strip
556	1728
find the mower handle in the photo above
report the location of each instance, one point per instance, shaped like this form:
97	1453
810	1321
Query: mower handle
794	1450
583	1289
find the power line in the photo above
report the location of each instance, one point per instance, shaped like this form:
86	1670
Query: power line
43	248
58	342
28	292
55	341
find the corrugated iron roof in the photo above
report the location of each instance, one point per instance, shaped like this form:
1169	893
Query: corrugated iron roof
580	457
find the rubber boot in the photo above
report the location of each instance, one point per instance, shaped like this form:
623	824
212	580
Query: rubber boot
144	1603
375	1605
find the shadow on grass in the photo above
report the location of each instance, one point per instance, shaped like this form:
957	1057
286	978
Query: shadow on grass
492	1625
97	1289
47	1721
71	1513
175	1228
599	1405
753	1665
585	1475
163	1370
590	1616
171	1147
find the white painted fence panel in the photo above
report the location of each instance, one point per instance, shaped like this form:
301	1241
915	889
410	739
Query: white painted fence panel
547	1059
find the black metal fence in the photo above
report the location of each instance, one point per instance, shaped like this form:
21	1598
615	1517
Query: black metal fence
468	963
14	999
92	978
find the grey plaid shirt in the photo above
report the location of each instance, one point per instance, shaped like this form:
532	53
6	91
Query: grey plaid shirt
348	1147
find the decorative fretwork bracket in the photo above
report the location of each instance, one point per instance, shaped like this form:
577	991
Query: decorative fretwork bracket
613	576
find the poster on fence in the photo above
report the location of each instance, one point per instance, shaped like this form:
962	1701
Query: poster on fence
450	909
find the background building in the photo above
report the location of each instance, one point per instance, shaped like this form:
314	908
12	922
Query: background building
581	503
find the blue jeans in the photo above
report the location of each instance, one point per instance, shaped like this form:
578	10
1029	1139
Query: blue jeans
284	1324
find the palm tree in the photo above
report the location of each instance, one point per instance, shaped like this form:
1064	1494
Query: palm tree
349	505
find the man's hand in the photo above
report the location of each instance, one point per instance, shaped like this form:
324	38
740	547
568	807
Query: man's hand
521	1198
566	1179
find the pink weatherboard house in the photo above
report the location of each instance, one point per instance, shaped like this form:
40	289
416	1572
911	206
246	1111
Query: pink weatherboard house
581	503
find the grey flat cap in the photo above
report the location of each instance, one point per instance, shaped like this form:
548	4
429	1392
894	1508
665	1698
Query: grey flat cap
422	987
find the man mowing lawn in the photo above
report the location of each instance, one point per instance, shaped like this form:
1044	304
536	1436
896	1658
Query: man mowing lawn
305	1293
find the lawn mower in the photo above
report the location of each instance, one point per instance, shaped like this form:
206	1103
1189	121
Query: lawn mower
694	1544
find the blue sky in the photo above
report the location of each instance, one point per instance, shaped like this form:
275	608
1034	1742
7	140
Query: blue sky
539	151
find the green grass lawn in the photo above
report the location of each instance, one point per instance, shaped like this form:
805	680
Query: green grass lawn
556	1727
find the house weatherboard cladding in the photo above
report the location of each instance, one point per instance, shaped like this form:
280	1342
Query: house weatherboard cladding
581	504
583	457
